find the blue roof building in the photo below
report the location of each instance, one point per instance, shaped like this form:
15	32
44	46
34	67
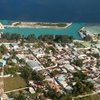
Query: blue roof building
2	63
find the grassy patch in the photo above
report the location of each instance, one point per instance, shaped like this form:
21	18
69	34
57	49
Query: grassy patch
12	83
52	24
86	44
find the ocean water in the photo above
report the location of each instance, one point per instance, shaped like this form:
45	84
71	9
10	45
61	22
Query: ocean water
51	10
71	31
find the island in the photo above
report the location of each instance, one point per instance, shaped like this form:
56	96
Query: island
38	25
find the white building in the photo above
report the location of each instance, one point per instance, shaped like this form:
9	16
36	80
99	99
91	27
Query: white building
14	45
69	68
39	52
58	46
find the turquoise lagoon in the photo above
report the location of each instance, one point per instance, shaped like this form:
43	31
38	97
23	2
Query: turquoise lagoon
93	28
6	22
71	31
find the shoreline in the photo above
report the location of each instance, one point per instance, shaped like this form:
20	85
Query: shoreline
80	33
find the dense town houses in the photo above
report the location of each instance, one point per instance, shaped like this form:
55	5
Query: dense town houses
58	67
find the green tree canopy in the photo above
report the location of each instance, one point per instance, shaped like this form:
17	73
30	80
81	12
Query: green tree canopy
31	38
78	62
38	77
3	49
26	73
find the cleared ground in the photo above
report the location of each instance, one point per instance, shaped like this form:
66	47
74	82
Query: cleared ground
1	86
94	97
12	83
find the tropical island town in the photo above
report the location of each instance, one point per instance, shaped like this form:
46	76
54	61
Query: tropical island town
49	67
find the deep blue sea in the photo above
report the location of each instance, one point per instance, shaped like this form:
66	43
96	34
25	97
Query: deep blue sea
51	10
